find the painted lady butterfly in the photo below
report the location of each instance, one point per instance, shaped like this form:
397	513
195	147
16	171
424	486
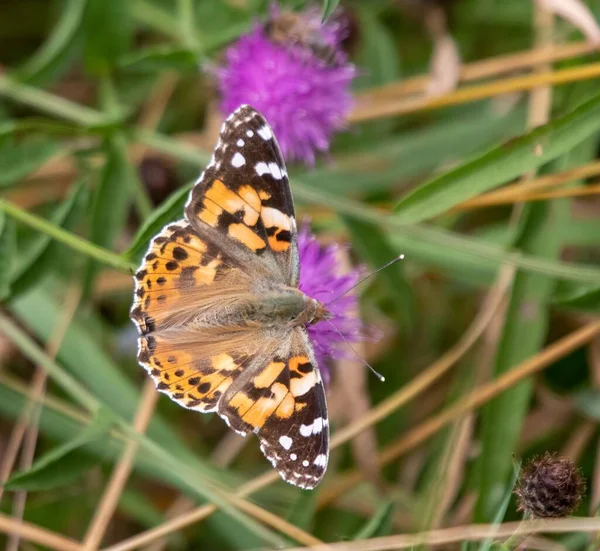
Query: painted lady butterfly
221	319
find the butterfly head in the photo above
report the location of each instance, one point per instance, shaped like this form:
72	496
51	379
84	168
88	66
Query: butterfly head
317	312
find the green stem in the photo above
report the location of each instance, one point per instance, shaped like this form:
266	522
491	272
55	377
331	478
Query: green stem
31	349
49	103
169	146
156	18
71	240
113	107
186	17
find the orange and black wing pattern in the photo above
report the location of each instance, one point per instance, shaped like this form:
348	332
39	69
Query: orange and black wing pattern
178	267
281	398
243	201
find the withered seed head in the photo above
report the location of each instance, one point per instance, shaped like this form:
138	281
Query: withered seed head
549	486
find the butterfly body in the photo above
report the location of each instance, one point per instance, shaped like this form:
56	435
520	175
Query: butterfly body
222	321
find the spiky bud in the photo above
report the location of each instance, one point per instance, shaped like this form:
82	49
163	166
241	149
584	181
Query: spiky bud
549	487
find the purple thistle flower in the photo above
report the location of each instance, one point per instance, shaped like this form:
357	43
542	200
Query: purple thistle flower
320	278
305	98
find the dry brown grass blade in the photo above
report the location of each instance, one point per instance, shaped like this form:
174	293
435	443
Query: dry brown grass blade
393	107
56	404
454	471
120	474
475	399
521	190
550	195
35	392
41	536
472	532
27	429
271	519
486	68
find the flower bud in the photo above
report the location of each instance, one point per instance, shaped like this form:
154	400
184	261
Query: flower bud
549	487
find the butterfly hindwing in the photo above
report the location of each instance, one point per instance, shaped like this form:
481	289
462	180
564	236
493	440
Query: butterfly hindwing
281	398
195	369
243	200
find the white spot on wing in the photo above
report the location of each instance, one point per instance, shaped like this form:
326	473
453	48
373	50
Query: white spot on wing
293	456
265	133
299	387
305	430
240	143
286	442
238	160
314	428
262	168
275	171
305	463
320	460
249	133
274	217
317	425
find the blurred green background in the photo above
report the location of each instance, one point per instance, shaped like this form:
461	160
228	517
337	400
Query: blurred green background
108	112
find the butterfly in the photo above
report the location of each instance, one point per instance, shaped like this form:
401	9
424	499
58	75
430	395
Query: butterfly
222	322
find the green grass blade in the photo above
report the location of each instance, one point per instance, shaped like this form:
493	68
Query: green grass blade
17	160
501	164
380	524
8	250
58	49
169	211
60	465
41	251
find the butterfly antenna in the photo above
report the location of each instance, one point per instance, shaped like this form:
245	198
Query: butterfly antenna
393	261
362	360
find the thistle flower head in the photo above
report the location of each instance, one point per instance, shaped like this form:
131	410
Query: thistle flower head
321	278
305	98
549	486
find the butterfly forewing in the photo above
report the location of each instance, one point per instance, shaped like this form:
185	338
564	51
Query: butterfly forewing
238	240
243	198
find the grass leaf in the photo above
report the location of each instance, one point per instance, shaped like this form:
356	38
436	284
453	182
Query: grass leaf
169	211
328	7
41	253
18	159
112	198
523	334
108	27
302	511
59	48
380	524
63	464
8	250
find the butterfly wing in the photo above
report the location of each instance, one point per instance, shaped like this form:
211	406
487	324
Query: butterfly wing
281	398
242	202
